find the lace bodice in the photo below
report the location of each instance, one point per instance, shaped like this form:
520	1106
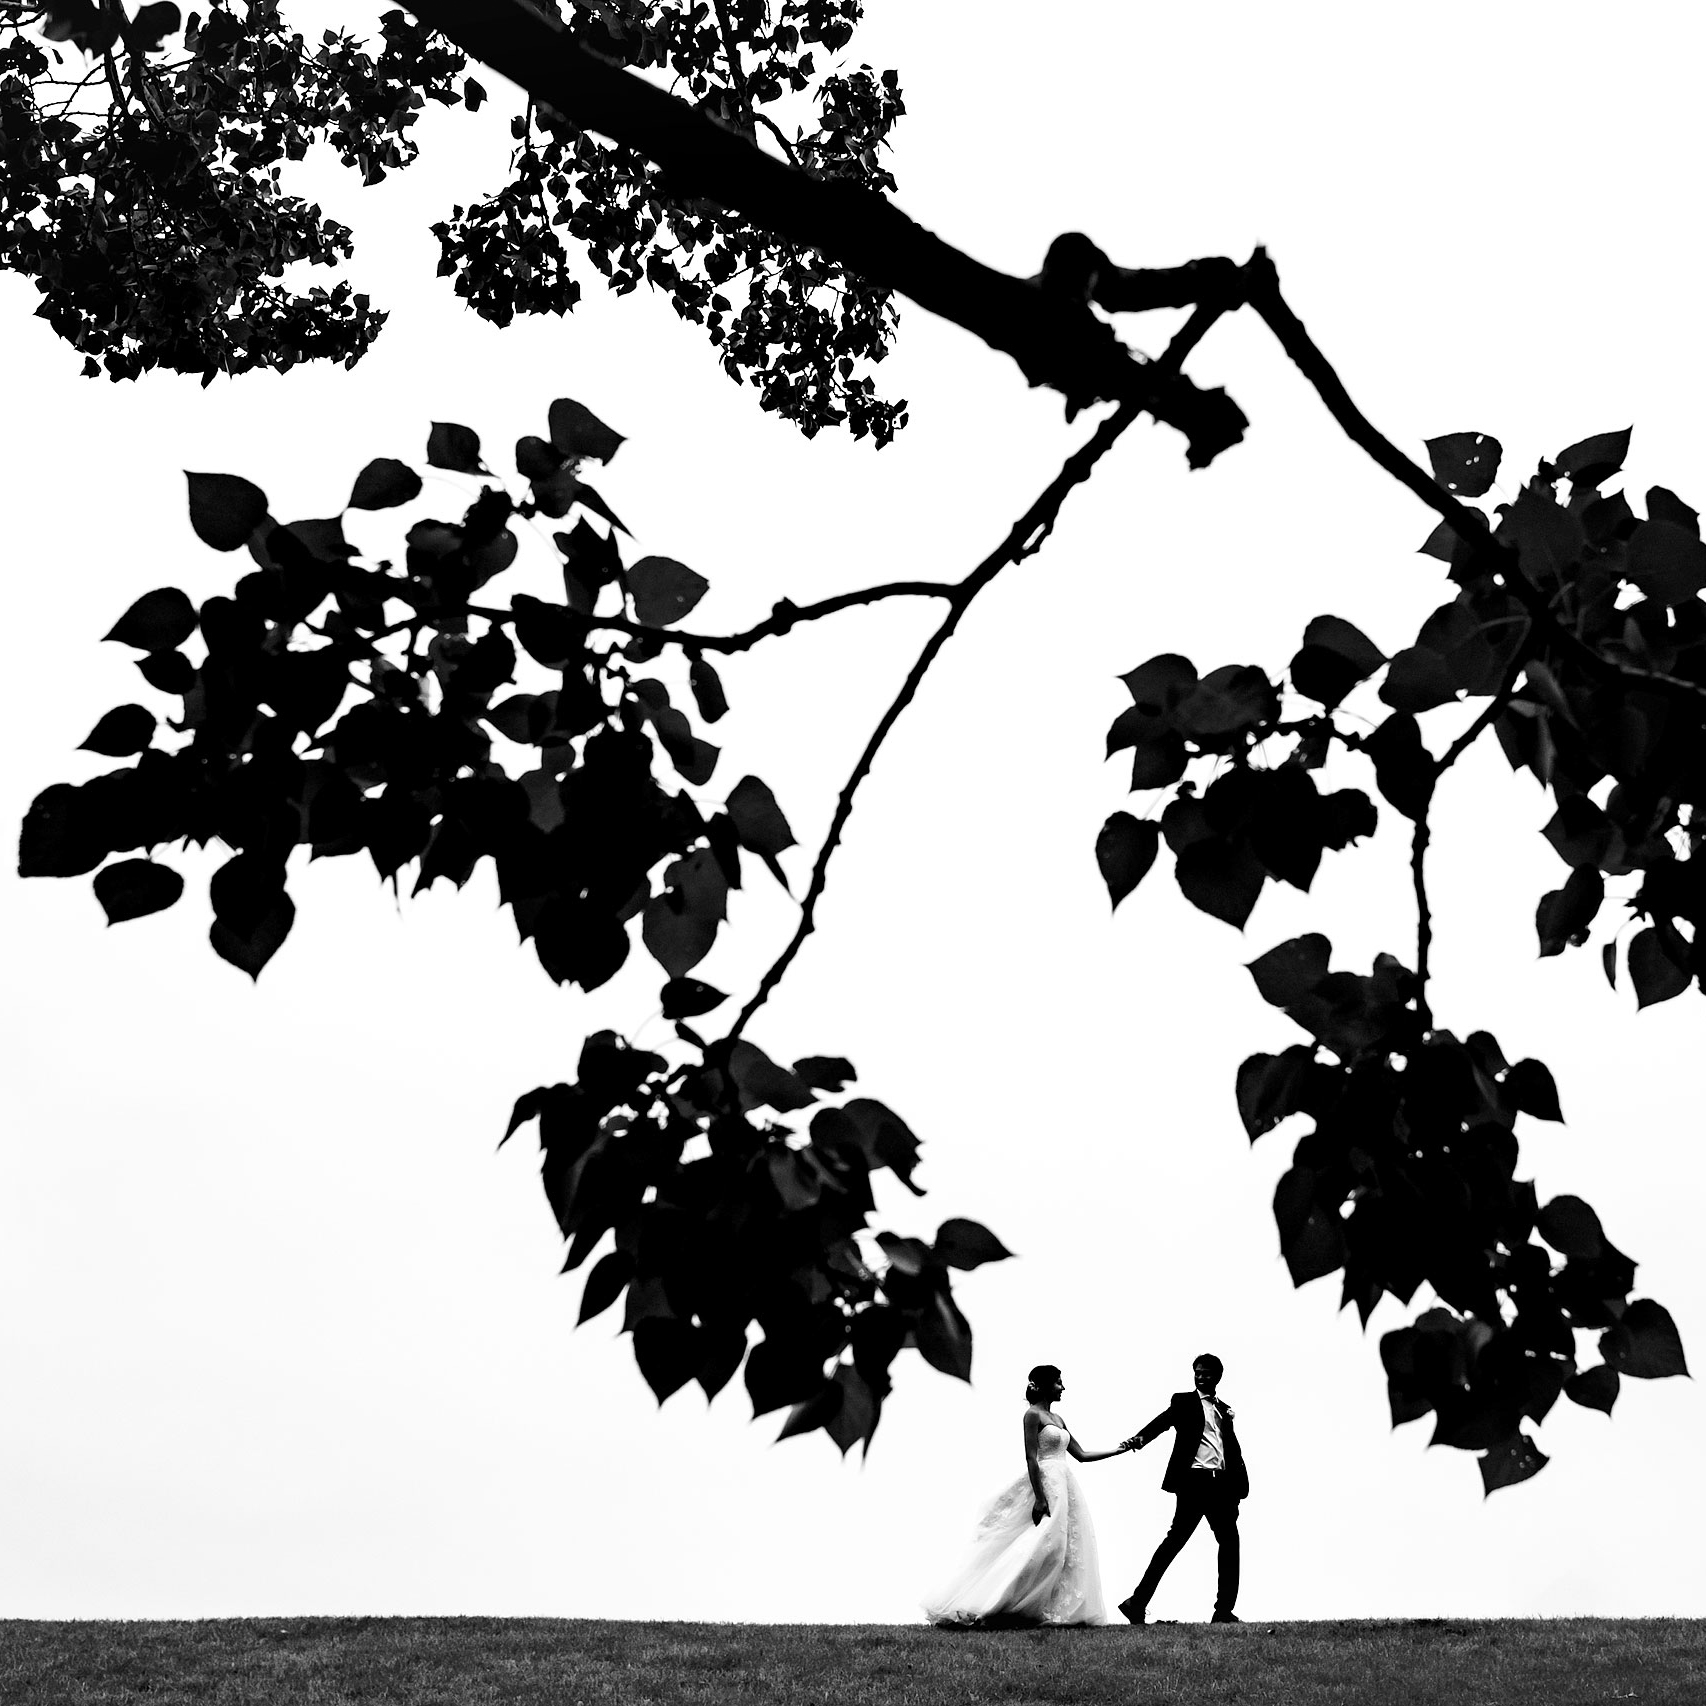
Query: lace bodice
1052	1442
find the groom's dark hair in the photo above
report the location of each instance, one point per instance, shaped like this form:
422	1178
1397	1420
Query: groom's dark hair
1044	1371
1210	1360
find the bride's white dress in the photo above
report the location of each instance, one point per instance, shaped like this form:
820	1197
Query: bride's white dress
1030	1572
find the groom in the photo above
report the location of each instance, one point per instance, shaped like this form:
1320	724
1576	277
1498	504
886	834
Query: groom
1206	1474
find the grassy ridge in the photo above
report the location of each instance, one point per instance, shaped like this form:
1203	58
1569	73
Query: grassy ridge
434	1661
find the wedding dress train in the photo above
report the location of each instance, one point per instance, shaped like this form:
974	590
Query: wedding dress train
1027	1572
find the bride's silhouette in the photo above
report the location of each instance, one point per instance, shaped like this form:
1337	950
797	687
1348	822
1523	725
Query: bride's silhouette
1033	1557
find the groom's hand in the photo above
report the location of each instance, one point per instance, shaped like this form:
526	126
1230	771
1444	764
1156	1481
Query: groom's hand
1135	1443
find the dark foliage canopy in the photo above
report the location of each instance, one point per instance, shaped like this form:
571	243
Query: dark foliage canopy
406	710
145	187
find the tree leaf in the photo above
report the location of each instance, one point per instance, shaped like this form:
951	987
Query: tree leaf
1226	701
816	1412
764	1084
687	998
1287	973
1334	658
1465	463
664	590
667	1351
1645	1344
133	888
911	1256
1665	505
1565	914
1404	770
1513	1460
707	689
1529	1089
1580	831
152	24
383	484
604	1284
1572	1228
884	1136
825	1071
1347	815
856	1420
1161	682
61	836
224	509
1666	562
1594	1388
124	730
1221	878
1269	1086
249	949
252	914
944	1336
1655	975
454	447
576	431
781	1371
1417	680
1125	849
1312	1242
1592	461
679	927
758	820
966	1244
158	621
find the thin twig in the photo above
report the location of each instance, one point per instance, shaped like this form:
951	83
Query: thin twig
1424	915
1024	539
783	616
1423	834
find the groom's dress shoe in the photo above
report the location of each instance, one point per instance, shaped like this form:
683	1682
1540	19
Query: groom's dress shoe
1131	1611
1225	1617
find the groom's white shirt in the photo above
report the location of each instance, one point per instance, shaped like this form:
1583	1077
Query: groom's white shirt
1211	1454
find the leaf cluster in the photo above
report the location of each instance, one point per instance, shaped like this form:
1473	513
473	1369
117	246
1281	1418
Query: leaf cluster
1611	715
145	196
801	329
347	708
737	1235
1407	1175
1580	626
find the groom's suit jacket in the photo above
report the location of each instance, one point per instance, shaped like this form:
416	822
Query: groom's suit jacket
1184	1416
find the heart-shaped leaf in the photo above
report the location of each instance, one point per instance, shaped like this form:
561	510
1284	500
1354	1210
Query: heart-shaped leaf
224	509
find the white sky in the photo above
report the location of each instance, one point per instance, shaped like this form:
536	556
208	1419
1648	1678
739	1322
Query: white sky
282	1335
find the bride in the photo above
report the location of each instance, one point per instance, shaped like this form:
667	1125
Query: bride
1033	1558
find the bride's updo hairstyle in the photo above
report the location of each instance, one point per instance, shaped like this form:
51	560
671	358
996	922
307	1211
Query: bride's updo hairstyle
1045	1374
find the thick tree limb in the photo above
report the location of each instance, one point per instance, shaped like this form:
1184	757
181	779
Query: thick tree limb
1056	339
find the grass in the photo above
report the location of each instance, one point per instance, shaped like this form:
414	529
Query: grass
470	1661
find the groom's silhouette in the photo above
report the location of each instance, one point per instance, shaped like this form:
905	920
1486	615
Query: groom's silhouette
1206	1473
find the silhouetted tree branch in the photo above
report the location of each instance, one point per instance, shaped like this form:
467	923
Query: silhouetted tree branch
1056	340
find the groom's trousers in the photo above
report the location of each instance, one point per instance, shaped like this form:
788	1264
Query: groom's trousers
1208	1496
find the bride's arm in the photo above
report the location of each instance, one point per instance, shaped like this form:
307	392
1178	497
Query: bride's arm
1039	1502
1084	1456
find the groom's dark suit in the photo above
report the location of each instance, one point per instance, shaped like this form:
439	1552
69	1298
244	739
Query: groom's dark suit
1201	1493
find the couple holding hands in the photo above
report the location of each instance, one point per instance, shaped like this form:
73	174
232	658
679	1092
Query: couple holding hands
1033	1557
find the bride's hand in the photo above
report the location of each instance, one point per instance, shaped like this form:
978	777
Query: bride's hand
1038	1511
